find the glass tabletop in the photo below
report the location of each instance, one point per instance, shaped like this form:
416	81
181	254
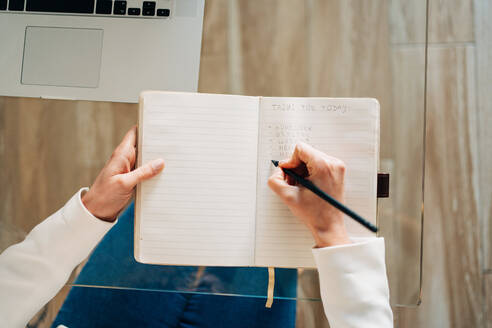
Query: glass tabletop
322	48
319	48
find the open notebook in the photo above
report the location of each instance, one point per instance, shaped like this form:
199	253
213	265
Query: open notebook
211	205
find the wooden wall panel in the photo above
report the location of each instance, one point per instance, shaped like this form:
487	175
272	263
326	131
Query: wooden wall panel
273	47
51	148
452	290
488	300
47	314
48	149
407	21
483	29
451	21
214	61
400	215
349	55
309	313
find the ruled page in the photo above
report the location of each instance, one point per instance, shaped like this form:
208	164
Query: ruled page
343	128
201	209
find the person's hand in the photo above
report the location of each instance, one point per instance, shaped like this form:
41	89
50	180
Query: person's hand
325	221
114	185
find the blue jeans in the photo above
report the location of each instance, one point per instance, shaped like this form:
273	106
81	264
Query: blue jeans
171	296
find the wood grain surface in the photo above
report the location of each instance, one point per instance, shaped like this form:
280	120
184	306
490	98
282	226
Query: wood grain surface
214	61
349	55
452	270
488	300
407	21
50	148
451	21
483	28
401	222
274	47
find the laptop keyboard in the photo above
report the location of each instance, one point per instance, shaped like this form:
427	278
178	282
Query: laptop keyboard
132	8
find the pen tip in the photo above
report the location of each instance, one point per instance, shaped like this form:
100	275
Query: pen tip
275	162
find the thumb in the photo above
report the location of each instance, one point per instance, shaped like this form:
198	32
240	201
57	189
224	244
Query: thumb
144	172
285	191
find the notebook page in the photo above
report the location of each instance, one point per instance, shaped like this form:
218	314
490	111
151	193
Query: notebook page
200	210
343	128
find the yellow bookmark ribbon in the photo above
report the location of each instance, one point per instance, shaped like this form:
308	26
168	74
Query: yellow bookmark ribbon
271	285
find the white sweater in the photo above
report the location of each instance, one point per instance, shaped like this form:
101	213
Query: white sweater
354	287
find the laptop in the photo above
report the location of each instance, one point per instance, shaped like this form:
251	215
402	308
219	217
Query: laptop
99	50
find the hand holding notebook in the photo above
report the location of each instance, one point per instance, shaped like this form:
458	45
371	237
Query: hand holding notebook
212	206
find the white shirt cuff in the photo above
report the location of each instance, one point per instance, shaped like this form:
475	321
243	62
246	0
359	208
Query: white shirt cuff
85	229
354	285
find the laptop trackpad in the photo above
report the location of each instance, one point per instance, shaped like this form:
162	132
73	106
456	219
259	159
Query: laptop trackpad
65	57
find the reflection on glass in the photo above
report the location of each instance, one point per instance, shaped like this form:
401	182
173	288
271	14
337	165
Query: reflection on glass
326	48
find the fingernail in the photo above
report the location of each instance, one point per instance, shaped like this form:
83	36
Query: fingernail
158	164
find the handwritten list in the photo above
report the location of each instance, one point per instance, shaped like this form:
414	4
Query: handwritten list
212	206
348	131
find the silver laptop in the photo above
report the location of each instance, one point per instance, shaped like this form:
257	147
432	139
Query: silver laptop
99	49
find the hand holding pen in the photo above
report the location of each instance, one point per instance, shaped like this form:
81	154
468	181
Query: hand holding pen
325	173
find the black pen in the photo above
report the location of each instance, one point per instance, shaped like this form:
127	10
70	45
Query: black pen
311	186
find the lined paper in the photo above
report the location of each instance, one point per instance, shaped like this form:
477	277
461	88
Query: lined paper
201	209
212	206
343	128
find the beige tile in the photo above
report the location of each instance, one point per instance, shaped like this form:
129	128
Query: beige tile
483	28
349	55
10	233
215	28
488	299
48	149
452	281
407	21
310	313
214	62
45	317
213	75
451	21
400	216
51	149
273	47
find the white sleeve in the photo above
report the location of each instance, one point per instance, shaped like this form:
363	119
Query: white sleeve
33	271
354	286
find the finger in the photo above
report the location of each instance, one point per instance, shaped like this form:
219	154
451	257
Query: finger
144	172
129	141
285	191
303	153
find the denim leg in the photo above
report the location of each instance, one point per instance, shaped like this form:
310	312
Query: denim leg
154	299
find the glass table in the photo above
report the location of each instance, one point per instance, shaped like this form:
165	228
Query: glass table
325	48
360	60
